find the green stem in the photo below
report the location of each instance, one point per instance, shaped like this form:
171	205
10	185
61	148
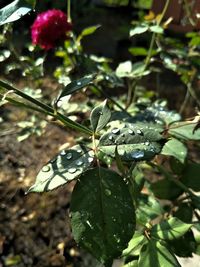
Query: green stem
153	38
193	94
66	121
185	102
69	11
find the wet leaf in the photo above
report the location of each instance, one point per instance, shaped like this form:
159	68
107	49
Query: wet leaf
15	10
76	85
65	167
170	229
133	143
102	214
100	116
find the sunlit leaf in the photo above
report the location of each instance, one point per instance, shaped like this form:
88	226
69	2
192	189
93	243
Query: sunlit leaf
133	143
66	166
170	229
15	10
176	149
100	116
156	254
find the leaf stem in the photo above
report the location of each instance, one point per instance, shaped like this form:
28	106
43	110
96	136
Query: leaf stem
47	109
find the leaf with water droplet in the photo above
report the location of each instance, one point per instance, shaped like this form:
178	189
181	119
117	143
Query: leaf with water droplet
100	116
66	166
98	216
133	143
15	10
76	85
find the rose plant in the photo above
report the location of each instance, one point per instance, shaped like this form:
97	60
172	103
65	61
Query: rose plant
115	209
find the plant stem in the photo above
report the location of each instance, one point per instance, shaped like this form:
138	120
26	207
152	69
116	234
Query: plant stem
48	109
193	94
69	11
153	38
185	102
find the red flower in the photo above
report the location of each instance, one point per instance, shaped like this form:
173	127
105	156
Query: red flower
49	27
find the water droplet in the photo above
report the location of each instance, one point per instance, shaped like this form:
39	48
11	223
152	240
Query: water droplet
52	160
72	170
89	224
140	132
79	151
147	143
131	132
107	78
100	113
107	192
123	135
137	154
78	83
46	168
69	156
90	160
79	162
110	137
63	152
115	131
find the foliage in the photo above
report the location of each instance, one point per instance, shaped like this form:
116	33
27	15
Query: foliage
131	152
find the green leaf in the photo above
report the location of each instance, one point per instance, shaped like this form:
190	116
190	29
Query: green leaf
165	189
139	30
15	10
133	143
190	176
184	130
102	214
88	31
133	263
148	209
138	51
76	85
176	149
124	69
100	116
156	29
135	244
170	229
66	166
156	254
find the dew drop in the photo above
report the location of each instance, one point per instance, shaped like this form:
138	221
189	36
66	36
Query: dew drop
90	160
52	160
63	152
78	83
115	131
72	170
100	113
89	224
69	156
46	168
107	192
110	137
137	154
140	132
79	162
131	132
147	143
79	151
